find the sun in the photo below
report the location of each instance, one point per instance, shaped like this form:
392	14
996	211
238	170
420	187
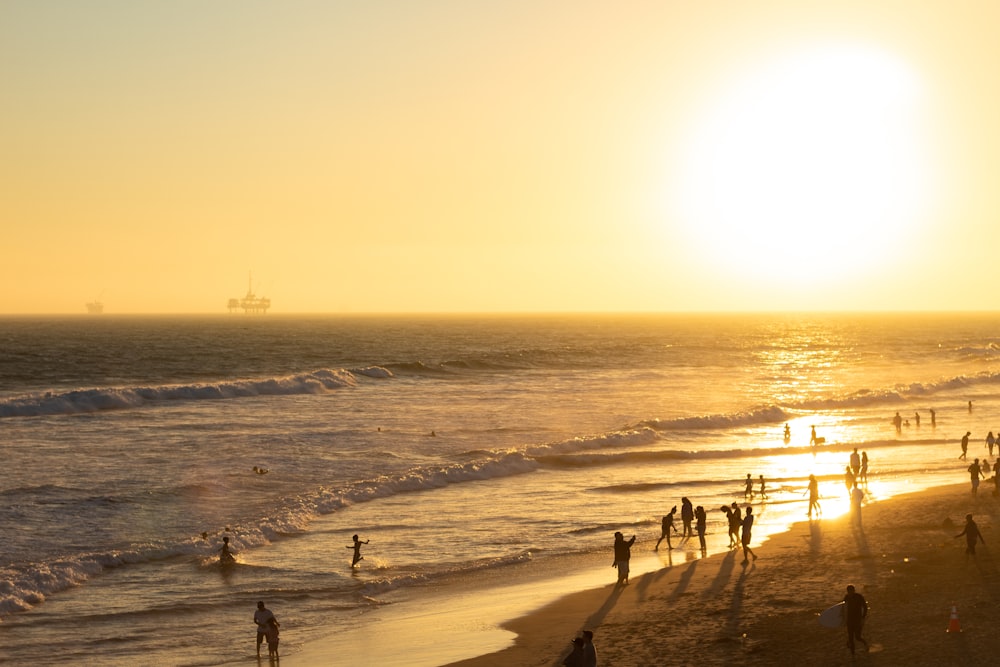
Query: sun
807	168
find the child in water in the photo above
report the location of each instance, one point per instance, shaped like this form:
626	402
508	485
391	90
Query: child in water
357	550
225	555
272	637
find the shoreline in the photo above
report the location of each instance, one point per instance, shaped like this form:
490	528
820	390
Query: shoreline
712	610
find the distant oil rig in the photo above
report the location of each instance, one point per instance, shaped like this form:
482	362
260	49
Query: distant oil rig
251	303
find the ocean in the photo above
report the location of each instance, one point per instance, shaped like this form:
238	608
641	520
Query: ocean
467	450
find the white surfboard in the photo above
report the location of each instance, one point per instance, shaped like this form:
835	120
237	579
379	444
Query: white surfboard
833	617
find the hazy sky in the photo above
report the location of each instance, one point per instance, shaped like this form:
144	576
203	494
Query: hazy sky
457	155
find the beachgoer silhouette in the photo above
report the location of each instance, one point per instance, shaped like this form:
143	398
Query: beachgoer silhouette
855	462
666	525
271	634
848	479
812	437
763	488
897	421
623	552
589	651
261	618
788	433
857	496
687	516
916	419
357	550
855	613
975	473
225	555
933	417
814	496
864	467
735	523
972	534
970	406
575	658
745	537
700	523
748	489
990	441
965	444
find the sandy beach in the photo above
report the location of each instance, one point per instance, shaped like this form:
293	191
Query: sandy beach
904	558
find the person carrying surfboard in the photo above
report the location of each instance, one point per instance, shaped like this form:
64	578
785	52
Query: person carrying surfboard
855	613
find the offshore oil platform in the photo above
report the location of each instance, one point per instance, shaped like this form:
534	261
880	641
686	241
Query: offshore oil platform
251	303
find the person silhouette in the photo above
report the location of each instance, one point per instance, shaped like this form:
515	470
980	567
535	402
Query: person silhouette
623	552
226	556
972	535
687	516
589	651
788	433
763	489
700	524
261	617
864	467
933	416
975	473
748	489
745	537
575	658
666	525
916	419
965	444
735	523
357	550
855	612
813	496
855	462
990	441
813	440
897	421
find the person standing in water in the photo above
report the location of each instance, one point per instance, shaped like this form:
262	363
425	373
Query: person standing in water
748	489
864	467
226	556
990	441
763	489
357	550
687	516
965	444
666	525
262	617
855	463
700	524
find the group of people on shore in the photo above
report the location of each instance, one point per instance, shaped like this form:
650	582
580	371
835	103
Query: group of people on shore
583	653
740	528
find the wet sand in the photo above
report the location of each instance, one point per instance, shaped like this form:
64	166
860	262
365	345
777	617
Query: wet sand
903	558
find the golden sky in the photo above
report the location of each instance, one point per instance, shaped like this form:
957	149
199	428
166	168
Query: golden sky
450	156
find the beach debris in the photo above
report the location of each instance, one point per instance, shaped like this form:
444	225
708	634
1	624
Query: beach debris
953	624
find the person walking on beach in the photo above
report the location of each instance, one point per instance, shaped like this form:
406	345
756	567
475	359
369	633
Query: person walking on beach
725	509
745	539
972	535
261	617
813	440
748	488
687	516
814	496
589	651
700	523
666	525
855	613
788	433
763	489
975	473
735	523
864	467
357	550
965	444
848	479
623	552
990	441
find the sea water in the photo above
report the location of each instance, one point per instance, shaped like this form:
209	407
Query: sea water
466	451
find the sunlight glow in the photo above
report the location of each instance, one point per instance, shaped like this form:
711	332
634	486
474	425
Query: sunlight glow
809	168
